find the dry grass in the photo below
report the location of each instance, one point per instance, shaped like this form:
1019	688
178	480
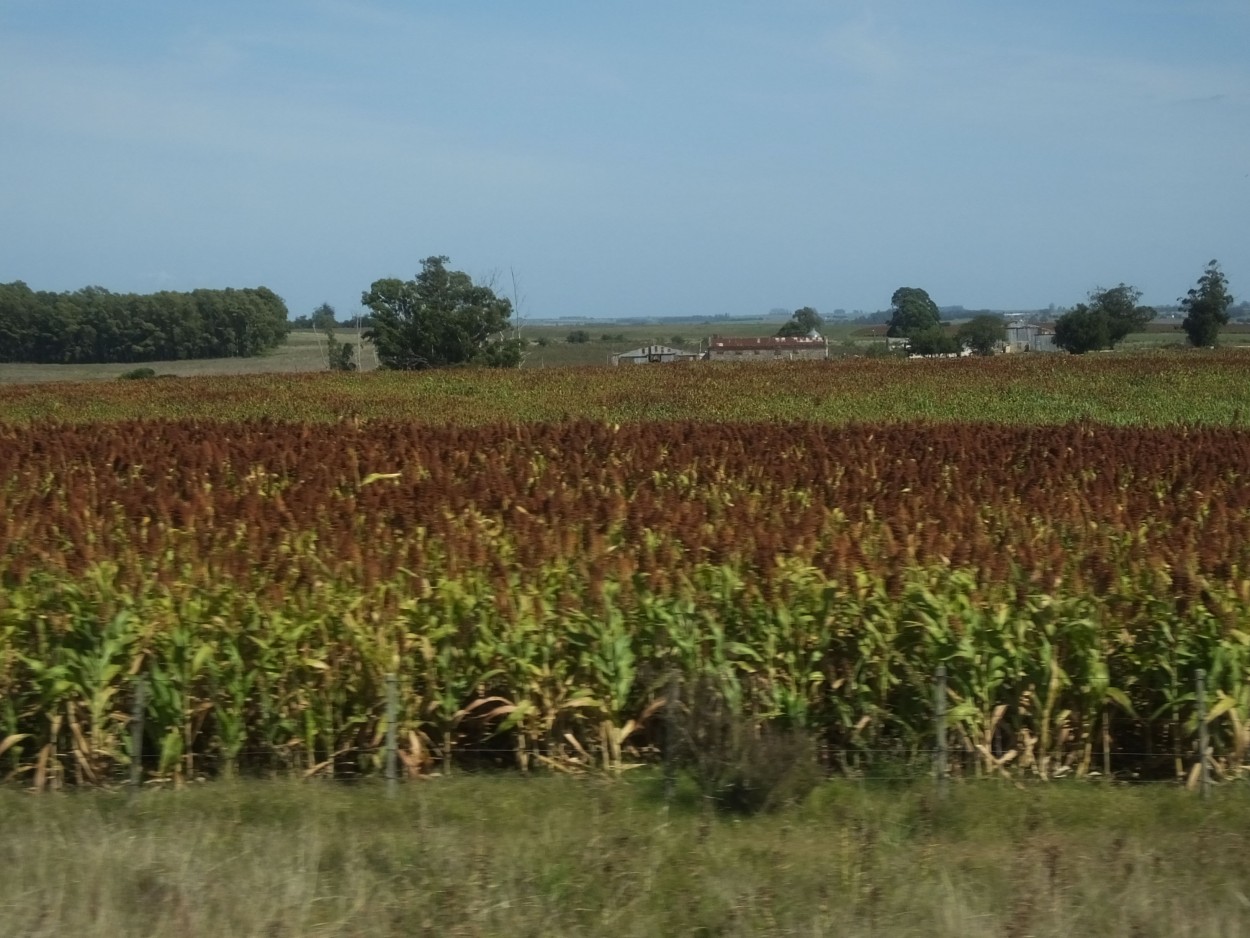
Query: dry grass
554	856
608	339
303	351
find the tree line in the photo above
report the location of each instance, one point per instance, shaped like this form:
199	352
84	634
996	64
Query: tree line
914	316
441	317
1102	323
1111	314
94	326
325	319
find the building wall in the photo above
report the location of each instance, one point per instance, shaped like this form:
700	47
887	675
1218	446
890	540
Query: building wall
766	355
653	354
1026	337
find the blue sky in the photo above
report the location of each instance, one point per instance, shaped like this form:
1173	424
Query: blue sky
621	159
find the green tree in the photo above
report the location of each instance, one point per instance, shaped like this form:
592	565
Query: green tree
439	318
983	333
273	323
323	318
1124	315
94	325
912	312
803	322
933	341
19	312
1082	330
340	356
578	336
1206	307
1107	318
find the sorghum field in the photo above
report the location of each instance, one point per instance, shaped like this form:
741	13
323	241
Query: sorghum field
540	558
1159	388
535	555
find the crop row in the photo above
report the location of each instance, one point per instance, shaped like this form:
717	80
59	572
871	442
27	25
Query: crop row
1126	388
534	585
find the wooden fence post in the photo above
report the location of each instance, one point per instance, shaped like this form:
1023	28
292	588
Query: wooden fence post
136	735
1204	778
392	718
940	770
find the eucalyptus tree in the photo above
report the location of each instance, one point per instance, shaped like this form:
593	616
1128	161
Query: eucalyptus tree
439	318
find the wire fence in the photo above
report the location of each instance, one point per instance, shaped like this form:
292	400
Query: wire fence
948	757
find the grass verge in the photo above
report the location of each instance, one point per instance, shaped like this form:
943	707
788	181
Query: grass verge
556	856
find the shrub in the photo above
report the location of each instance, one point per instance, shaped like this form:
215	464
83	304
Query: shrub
137	374
934	341
1082	330
740	765
340	356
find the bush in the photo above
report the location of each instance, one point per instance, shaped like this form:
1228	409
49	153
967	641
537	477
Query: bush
740	765
1082	330
877	350
983	334
137	374
934	341
340	356
578	336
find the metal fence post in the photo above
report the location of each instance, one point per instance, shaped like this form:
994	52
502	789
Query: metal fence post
1204	778
939	729
136	735
392	717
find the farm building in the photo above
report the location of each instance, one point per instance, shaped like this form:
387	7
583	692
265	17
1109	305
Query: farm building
766	348
653	354
1030	337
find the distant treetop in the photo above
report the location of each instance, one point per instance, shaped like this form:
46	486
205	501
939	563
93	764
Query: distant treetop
439	318
94	326
912	312
804	321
